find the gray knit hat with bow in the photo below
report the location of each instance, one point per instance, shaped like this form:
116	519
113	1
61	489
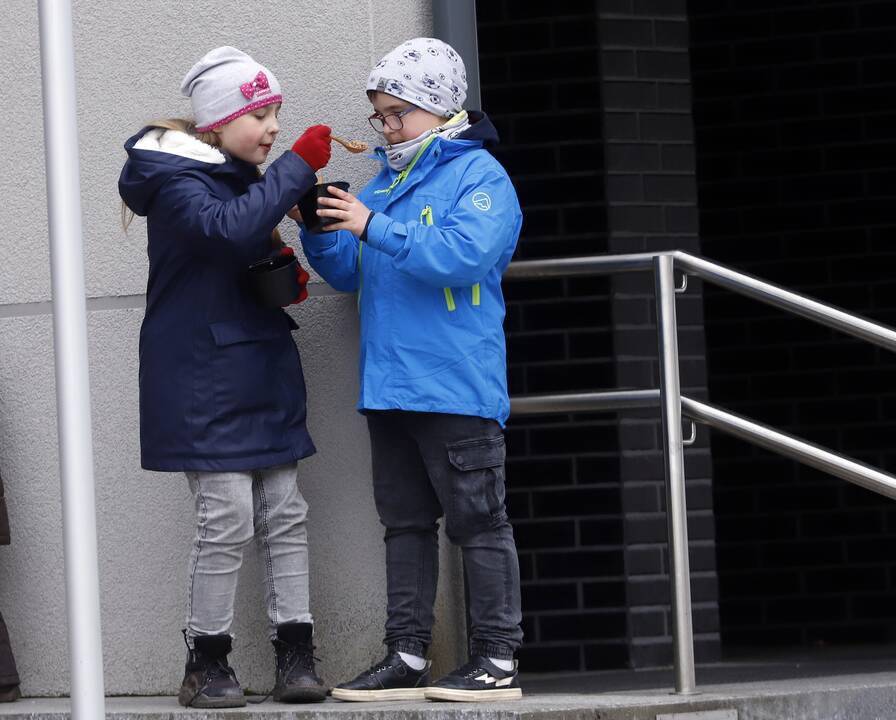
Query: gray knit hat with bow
225	84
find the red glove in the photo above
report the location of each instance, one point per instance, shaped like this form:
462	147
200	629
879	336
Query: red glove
314	146
300	272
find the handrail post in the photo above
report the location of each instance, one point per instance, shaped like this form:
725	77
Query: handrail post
673	457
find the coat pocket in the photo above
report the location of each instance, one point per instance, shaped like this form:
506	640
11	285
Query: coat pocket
426	218
477	485
231	332
255	376
477	454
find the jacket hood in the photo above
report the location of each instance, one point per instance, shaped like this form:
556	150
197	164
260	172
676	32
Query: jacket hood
155	154
481	129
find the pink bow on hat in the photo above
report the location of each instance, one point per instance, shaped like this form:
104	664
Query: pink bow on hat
258	84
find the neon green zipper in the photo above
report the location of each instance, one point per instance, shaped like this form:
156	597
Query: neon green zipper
426	219
402	176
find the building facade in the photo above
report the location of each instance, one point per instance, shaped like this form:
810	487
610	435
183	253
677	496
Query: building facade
756	133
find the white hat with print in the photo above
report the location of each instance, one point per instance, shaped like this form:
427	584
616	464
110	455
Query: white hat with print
425	72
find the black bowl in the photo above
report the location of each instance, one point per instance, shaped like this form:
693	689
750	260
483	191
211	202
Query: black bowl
308	206
275	280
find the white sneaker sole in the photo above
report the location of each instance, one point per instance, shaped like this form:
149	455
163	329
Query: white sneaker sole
437	693
374	695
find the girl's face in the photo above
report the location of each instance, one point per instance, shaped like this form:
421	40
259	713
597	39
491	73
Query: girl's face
250	137
413	124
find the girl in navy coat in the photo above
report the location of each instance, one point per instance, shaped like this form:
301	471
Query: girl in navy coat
222	397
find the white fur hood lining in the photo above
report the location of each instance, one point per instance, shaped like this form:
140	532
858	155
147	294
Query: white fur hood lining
179	143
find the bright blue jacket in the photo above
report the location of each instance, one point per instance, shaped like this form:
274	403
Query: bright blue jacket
221	385
428	279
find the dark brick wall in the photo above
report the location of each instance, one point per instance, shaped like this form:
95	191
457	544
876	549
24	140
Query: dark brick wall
541	87
592	101
795	111
652	200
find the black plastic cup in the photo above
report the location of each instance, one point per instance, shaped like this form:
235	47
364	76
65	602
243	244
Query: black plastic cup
308	206
275	280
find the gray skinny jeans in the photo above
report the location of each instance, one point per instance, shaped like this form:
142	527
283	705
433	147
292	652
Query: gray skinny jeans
231	509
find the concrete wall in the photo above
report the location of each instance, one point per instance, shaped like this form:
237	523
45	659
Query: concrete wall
130	58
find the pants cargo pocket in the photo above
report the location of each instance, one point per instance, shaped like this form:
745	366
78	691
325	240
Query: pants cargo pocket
477	486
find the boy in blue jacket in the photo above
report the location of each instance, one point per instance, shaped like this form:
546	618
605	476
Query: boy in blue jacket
424	246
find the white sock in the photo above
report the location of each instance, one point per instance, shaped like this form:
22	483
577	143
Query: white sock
415	661
505	665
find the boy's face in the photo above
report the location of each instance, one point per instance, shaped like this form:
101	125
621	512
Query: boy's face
413	124
249	137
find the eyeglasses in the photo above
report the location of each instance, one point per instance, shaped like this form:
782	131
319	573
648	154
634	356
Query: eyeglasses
380	122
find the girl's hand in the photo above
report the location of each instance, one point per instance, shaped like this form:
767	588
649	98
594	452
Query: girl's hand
351	214
314	146
294	213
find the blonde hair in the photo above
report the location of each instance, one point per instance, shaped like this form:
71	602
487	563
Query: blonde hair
187	126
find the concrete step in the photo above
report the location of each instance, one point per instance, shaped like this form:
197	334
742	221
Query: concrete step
841	690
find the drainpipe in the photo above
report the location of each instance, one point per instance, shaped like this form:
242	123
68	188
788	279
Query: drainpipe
72	377
454	21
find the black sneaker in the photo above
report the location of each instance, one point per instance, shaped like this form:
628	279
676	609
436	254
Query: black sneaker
390	679
480	680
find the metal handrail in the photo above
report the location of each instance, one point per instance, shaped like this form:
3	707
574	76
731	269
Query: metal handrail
788	300
762	435
587	265
673	405
584	402
791	446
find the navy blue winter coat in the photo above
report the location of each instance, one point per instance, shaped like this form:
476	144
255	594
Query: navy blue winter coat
221	385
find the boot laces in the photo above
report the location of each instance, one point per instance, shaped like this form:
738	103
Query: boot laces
301	655
218	668
214	669
379	667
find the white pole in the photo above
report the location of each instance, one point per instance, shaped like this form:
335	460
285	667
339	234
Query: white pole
72	379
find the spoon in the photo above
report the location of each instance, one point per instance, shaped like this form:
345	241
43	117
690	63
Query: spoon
353	146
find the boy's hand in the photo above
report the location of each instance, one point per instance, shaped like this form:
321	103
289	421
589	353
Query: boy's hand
294	213
350	213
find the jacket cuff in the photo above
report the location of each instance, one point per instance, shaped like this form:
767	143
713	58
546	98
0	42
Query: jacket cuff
317	242
363	236
381	235
297	161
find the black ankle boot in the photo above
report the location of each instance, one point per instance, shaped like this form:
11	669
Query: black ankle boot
296	679
209	682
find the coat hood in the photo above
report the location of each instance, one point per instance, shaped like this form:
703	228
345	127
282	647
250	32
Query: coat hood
155	154
481	128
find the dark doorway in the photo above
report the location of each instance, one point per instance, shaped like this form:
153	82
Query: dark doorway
795	114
